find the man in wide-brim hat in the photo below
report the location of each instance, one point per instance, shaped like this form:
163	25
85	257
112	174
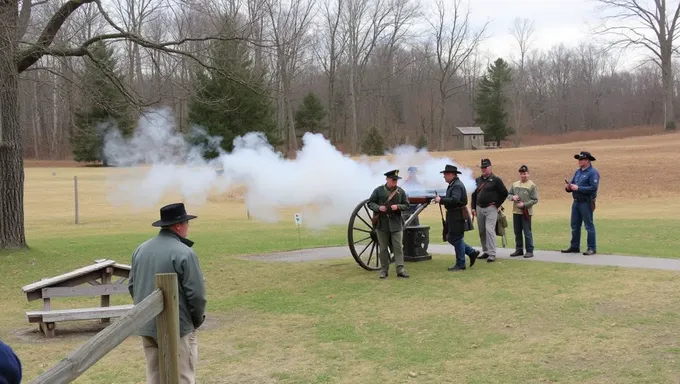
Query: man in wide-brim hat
170	252
455	202
583	188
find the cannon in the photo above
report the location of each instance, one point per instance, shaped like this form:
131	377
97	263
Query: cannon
363	240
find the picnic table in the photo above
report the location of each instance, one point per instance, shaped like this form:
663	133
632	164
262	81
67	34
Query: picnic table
91	280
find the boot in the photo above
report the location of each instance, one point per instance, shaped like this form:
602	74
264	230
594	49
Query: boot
570	250
518	252
383	273
401	272
474	257
529	255
589	252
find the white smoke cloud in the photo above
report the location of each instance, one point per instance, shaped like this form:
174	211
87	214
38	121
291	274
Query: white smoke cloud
328	183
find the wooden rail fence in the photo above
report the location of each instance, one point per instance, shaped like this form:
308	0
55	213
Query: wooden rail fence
162	304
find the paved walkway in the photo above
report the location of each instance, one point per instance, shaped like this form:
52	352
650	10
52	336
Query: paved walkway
315	254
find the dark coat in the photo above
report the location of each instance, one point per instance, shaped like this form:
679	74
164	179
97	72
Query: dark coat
455	201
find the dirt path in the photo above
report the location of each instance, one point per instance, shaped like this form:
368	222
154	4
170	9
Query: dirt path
316	254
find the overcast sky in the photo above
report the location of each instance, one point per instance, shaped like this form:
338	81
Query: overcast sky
555	21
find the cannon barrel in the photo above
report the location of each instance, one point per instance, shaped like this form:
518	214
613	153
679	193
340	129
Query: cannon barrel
423	196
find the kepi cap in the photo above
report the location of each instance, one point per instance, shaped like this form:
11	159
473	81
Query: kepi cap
393	174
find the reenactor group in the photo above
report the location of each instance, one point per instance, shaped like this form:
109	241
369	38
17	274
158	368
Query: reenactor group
389	201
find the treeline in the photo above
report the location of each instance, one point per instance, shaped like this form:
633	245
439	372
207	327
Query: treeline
368	74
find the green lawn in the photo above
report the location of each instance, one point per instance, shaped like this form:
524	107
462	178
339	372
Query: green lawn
333	322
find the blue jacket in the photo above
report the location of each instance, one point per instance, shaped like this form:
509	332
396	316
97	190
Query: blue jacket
587	180
10	366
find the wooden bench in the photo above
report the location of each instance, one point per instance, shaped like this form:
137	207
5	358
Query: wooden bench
92	280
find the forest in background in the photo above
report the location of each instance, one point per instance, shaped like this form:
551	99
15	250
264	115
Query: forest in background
350	69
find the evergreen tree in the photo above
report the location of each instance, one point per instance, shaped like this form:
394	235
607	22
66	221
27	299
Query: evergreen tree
373	144
491	99
104	107
230	100
309	116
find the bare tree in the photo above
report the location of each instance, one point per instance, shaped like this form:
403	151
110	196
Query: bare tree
455	41
16	56
657	19
365	22
329	50
289	28
522	31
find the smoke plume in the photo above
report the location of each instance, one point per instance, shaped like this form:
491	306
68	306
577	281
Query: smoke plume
321	179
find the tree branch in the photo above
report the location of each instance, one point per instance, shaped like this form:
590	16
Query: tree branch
32	54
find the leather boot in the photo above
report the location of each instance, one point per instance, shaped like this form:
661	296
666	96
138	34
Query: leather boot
383	273
518	252
401	272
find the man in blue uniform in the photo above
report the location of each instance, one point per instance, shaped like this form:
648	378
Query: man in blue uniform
583	188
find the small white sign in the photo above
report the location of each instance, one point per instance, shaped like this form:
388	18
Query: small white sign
298	219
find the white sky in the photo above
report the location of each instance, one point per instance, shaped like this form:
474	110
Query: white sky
555	21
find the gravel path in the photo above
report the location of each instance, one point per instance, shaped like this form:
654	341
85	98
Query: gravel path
316	254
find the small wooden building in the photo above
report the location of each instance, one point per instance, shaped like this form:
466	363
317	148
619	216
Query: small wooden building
468	138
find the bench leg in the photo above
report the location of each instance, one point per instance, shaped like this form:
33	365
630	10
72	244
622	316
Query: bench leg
47	329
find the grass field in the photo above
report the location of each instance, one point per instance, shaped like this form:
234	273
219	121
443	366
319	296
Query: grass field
332	322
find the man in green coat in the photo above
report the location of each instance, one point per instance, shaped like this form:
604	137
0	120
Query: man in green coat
170	252
388	201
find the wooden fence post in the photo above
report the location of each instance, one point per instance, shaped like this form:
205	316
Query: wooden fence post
167	323
75	195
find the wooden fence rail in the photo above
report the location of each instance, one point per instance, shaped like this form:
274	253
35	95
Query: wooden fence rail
162	304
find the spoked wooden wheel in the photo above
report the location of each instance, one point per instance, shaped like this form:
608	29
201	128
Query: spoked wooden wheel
362	238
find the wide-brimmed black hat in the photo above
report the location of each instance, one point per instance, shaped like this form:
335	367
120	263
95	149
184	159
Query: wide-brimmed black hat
393	174
584	155
523	168
450	169
173	214
485	163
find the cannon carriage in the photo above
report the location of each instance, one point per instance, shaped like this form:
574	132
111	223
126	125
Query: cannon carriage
363	240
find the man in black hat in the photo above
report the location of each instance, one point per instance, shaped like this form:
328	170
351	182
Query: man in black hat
170	252
388	201
583	188
455	202
524	195
487	200
412	184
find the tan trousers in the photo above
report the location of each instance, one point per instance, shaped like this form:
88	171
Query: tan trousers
188	355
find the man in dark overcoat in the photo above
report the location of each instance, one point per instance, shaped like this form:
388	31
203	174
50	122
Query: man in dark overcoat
455	202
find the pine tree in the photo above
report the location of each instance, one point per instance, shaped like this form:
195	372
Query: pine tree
491	99
309	116
103	108
230	100
373	144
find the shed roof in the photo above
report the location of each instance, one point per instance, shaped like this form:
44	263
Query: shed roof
470	130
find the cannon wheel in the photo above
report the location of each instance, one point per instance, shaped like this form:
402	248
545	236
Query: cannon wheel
362	237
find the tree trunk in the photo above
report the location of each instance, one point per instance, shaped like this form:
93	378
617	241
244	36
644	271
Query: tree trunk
12	233
354	133
442	117
667	80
